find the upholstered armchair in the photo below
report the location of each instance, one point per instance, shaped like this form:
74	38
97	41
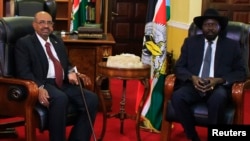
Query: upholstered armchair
18	98
234	114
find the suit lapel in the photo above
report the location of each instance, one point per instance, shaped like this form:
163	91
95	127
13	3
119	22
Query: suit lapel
218	53
199	50
40	52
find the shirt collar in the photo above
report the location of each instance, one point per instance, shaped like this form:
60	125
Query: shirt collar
42	40
214	41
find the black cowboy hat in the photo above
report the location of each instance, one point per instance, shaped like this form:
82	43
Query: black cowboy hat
211	14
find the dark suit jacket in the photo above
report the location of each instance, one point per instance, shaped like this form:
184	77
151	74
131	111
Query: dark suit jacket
228	64
31	60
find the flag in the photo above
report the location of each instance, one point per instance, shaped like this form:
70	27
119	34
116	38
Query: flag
154	53
78	14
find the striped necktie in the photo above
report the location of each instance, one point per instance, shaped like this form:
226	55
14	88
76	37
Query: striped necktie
207	61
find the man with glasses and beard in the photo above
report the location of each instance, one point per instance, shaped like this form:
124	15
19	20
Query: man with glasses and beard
42	58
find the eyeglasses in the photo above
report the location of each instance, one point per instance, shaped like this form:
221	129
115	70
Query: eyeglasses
43	23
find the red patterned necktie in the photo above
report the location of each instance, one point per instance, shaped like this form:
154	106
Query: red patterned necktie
57	66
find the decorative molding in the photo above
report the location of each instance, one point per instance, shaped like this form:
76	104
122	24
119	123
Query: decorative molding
180	25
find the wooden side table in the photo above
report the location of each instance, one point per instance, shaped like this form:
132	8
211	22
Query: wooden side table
141	74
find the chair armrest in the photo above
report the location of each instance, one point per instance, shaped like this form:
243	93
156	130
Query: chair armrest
238	96
169	86
168	91
14	107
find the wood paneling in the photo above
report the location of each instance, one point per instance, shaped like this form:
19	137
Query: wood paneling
127	23
236	10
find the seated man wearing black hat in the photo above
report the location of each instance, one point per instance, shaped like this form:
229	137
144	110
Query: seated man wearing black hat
207	67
